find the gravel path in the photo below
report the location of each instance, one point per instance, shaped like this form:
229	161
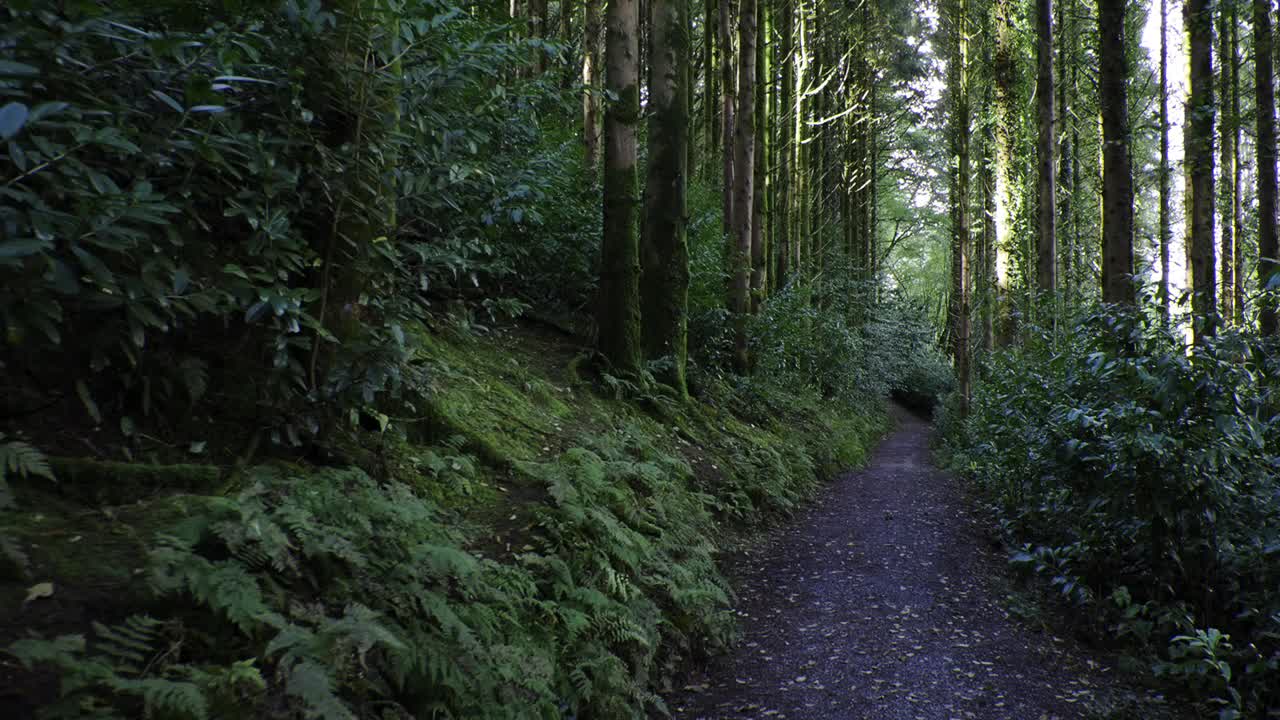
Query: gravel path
881	603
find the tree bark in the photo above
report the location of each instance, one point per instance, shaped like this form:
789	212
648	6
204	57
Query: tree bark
591	82
960	128
728	94
759	199
1230	174
618	309
1201	110
743	181
1047	255
1117	173
1163	173
1264	87
664	252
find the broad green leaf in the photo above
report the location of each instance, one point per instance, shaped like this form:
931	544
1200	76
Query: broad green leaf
12	117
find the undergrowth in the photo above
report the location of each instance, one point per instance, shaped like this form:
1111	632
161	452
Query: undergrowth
1137	477
580	578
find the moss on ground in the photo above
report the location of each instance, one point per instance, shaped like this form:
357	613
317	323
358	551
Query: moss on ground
515	454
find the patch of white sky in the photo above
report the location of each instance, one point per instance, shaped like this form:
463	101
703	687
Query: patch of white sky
1178	80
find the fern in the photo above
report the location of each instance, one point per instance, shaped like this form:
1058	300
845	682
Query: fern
19	459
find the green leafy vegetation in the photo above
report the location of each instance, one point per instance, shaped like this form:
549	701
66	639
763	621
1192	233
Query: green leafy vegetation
1135	476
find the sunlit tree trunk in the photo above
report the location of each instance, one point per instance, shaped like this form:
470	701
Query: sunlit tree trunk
744	143
1047	247
664	252
591	81
1005	150
1117	173
986	271
1264	87
1201	110
618	308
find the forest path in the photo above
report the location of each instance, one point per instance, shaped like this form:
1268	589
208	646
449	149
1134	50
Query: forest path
883	602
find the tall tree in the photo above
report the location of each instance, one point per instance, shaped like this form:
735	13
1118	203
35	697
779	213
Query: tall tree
1117	173
1201	110
1005	72
1163	173
744	144
728	112
591	81
664	252
618	307
959	132
1230	141
1047	255
785	20
1264	87
759	197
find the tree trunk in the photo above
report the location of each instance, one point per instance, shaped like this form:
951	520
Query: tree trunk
1264	87
1201	110
783	148
744	143
1163	173
618	309
1047	255
960	128
1227	63
664	252
1004	67
1117	174
591	81
986	270
759	228
1066	239
728	93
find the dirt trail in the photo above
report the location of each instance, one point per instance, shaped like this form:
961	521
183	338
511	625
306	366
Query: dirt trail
882	603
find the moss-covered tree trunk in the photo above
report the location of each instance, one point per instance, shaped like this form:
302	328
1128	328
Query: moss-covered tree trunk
1199	138
1117	173
744	146
1265	93
618	307
664	252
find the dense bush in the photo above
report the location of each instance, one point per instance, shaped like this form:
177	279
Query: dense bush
1140	477
843	340
201	198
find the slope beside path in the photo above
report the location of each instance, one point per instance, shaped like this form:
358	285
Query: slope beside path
883	602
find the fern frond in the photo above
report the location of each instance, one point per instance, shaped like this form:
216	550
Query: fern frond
169	697
309	683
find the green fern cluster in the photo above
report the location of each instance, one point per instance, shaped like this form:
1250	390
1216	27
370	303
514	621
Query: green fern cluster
135	668
361	598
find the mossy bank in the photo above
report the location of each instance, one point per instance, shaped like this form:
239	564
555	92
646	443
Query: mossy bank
514	540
